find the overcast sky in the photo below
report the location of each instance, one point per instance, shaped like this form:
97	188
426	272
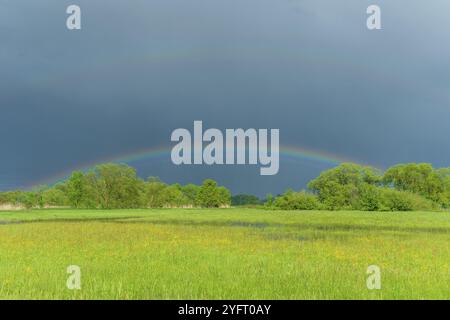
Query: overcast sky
140	69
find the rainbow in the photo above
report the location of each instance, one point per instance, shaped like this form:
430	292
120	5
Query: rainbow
293	152
169	55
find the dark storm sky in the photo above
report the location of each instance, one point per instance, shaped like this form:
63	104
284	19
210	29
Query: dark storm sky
140	69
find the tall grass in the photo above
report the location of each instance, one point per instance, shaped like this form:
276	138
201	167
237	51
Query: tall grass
224	254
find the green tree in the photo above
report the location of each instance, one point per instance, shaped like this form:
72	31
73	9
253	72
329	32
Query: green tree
341	187
172	196
28	199
117	186
191	193
75	189
54	197
420	178
224	196
38	192
91	191
269	200
154	193
212	196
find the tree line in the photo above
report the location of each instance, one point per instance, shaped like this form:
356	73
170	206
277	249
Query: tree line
403	187
117	186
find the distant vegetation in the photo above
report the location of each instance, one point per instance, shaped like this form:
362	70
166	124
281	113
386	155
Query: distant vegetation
404	187
116	186
246	200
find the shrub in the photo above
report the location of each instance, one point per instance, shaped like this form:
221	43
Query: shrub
10	197
28	199
291	200
342	187
394	200
54	197
245	200
370	198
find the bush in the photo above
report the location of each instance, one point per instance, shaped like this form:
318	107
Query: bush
341	188
245	200
10	197
366	198
28	200
370	198
54	197
394	200
291	200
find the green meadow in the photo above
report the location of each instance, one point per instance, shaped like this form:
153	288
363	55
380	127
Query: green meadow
224	254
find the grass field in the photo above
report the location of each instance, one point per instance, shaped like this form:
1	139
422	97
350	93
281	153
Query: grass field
223	254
